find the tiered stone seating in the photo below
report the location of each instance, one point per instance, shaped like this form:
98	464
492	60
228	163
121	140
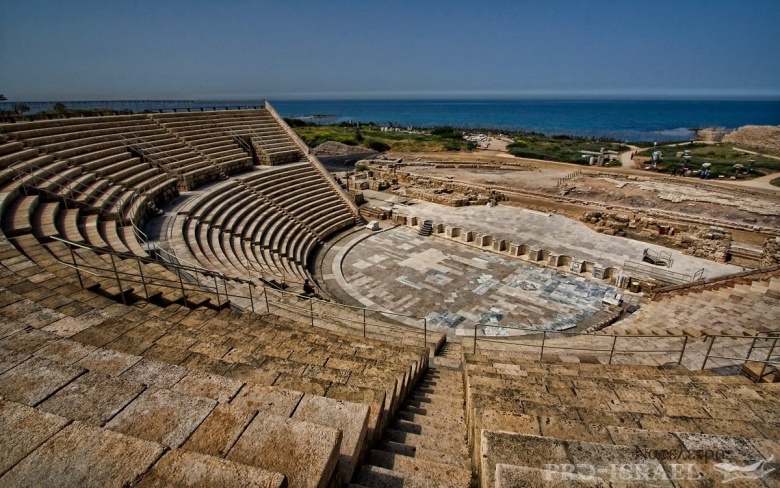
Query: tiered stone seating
87	161
273	218
533	423
745	306
161	392
273	145
200	131
305	195
190	382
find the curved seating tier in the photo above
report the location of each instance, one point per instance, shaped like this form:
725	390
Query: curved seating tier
742	307
266	223
200	131
259	127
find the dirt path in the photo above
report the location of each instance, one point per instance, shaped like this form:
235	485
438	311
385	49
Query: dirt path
761	182
626	161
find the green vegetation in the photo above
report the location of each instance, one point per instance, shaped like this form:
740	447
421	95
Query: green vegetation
371	136
722	157
559	148
361	167
775	182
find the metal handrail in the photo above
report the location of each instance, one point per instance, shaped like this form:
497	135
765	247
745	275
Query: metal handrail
156	156
114	202
612	349
111	272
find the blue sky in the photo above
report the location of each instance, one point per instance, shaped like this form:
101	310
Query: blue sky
91	50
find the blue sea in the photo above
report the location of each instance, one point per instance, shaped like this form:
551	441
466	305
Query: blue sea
625	120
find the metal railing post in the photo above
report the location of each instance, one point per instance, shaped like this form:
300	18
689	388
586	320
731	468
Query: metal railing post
143	279
364	323
612	349
541	351
251	300
425	333
118	282
707	354
474	349
766	363
216	289
227	295
311	310
682	351
76	266
181	285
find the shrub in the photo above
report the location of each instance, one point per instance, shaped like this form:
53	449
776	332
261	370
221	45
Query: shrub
379	146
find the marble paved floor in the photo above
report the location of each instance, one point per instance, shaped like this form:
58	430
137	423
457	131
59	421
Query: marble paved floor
457	286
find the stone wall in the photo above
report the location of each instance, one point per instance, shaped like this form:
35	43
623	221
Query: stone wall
771	255
707	242
451	193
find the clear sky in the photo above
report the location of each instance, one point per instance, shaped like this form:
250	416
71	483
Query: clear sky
288	49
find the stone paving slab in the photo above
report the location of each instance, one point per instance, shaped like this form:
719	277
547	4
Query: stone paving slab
112	363
159	374
217	434
22	430
84	456
10	358
183	468
518	450
268	399
93	398
162	416
65	351
27	340
508	476
304	452
35	379
208	385
350	418
70	326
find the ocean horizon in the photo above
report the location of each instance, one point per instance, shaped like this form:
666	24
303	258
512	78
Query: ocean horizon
629	120
624	120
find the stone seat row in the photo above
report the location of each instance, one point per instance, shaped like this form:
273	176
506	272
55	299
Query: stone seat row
752	309
259	232
304	193
205	137
199	125
115	330
291	361
81	149
529	421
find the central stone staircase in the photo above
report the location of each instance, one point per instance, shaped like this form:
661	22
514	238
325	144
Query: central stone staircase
425	444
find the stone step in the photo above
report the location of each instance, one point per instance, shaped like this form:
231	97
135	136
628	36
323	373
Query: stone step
454	422
424	408
455	445
441	399
424	454
377	477
443	474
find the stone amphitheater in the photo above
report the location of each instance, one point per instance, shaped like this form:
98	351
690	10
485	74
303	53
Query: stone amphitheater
157	329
